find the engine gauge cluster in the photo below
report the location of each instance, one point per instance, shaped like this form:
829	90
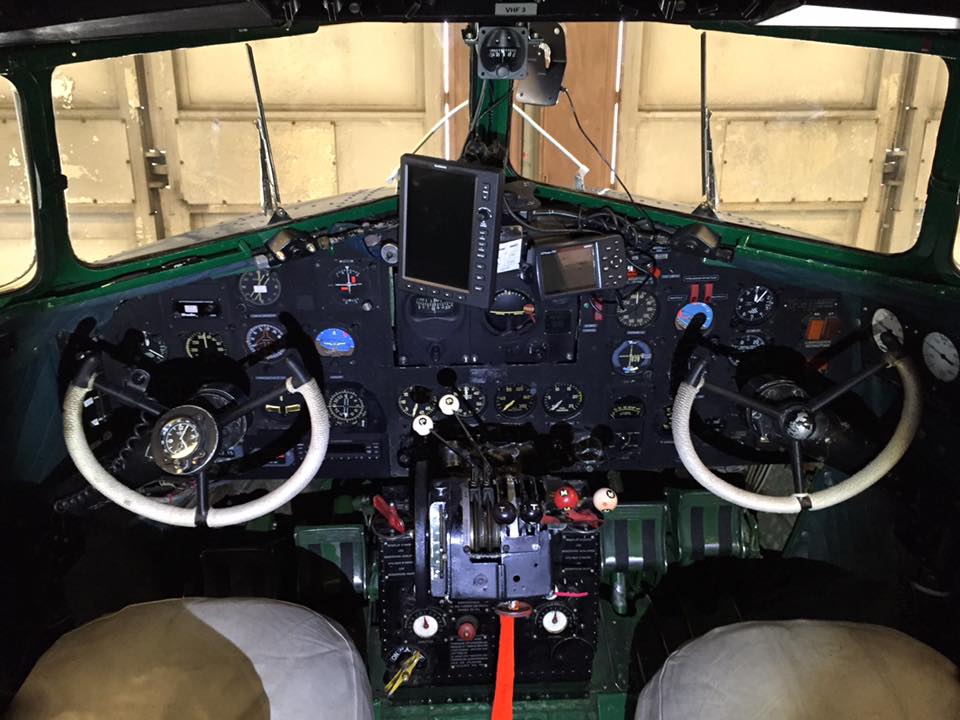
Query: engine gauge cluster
514	400
563	400
473	401
417	400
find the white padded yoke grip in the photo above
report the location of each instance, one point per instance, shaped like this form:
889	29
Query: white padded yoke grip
110	487
790	504
104	482
316	452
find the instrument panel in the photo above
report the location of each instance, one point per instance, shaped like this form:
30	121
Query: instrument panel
598	370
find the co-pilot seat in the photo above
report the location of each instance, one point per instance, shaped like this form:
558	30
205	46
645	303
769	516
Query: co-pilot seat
244	659
803	670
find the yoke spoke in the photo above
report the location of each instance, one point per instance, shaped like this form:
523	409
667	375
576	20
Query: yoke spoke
796	467
141	402
824	399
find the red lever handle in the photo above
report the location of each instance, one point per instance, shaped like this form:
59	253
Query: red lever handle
389	513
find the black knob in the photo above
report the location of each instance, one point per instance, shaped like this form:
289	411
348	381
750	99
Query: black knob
505	513
531	512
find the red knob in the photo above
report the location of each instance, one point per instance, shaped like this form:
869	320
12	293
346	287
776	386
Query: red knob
566	498
466	631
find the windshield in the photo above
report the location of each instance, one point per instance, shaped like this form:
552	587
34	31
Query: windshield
825	140
828	141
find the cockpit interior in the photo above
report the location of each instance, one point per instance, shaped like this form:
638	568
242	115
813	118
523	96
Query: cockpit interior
482	442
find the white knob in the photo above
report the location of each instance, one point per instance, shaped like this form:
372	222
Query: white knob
422	425
605	500
449	404
425	626
555	621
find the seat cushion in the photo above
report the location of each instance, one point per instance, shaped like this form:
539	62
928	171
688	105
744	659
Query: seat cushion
200	658
803	670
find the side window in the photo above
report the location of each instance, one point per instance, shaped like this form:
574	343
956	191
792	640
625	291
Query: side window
160	144
18	253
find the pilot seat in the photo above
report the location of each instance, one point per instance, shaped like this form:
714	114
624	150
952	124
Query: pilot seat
239	658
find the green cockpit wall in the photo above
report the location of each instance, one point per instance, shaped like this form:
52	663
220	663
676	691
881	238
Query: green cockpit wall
926	269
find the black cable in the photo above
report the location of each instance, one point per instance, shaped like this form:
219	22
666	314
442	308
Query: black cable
472	131
606	162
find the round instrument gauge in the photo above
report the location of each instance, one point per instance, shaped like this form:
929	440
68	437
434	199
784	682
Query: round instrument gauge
417	400
266	338
632	356
511	311
426	623
637	310
472	401
153	347
688	312
179	438
347	406
553	618
348	283
563	400
260	287
203	344
425	306
941	357
755	304
884	321
627	407
334	342
514	400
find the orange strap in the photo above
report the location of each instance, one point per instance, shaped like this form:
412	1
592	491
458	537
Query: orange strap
503	693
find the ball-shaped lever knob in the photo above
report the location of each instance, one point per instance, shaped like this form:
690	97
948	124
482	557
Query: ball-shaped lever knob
566	498
605	500
422	425
505	513
449	404
531	512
